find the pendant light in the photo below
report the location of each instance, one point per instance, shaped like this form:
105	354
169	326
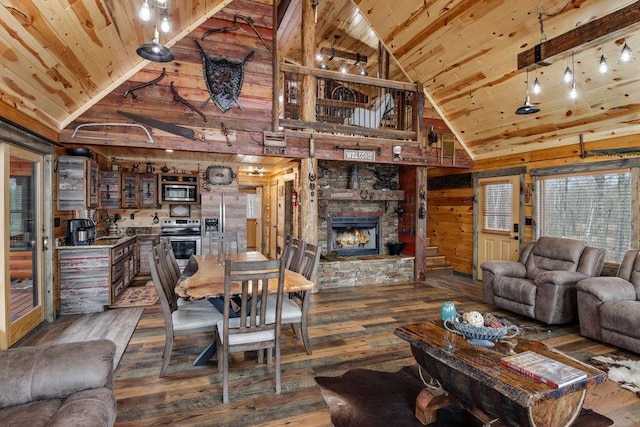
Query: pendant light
154	51
528	107
626	54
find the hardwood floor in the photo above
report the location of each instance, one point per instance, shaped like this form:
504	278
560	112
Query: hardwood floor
349	328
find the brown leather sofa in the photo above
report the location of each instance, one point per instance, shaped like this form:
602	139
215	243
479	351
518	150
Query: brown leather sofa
67	384
542	283
609	307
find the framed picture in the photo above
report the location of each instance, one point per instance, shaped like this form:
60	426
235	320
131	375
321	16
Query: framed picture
180	211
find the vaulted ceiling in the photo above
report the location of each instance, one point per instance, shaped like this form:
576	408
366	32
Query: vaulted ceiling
60	57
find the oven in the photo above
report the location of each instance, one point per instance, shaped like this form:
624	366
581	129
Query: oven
184	234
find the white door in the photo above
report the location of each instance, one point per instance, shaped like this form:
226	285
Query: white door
22	302
498	220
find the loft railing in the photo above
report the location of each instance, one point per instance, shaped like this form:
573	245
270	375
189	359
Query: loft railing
354	105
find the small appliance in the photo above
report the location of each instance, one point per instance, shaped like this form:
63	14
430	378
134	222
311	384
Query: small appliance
81	232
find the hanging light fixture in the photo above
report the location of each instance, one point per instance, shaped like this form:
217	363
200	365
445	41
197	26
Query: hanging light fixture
154	50
603	64
363	72
528	107
573	93
537	88
567	76
626	54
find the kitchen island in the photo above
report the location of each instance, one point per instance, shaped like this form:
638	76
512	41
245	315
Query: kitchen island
92	276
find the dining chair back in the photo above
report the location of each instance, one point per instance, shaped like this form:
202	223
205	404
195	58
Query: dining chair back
300	300
249	331
223	242
177	321
170	259
295	252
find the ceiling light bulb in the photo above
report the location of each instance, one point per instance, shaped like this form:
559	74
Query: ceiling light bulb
567	77
145	11
324	66
363	72
343	69
536	86
573	93
603	65
165	25
319	57
626	54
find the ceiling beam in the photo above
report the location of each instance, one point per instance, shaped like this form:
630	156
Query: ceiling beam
614	24
335	53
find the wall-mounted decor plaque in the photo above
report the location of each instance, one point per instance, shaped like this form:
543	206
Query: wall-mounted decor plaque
220	175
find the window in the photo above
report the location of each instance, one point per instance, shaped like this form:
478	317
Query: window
252	205
497	207
593	206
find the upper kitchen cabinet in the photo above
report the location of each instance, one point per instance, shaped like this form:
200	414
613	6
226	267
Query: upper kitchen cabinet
78	183
139	190
110	189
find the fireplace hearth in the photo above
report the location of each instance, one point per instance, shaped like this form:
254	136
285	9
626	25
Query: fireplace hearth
352	236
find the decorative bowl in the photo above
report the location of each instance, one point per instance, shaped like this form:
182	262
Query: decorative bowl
481	336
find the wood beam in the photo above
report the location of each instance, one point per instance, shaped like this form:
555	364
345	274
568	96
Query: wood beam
617	23
335	53
282	8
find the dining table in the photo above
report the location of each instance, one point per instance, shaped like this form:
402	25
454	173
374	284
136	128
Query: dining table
203	277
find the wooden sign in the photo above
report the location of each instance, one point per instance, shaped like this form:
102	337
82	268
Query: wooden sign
360	155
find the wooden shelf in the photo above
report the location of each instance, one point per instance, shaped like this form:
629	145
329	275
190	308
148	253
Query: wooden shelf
374	195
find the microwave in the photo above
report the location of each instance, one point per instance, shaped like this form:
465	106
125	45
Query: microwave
182	189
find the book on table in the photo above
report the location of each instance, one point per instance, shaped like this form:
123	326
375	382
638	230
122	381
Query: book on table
544	369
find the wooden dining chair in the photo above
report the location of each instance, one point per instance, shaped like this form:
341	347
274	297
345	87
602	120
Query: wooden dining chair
223	242
295	309
177	320
250	331
295	252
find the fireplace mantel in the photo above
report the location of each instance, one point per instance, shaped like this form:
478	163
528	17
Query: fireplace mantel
364	194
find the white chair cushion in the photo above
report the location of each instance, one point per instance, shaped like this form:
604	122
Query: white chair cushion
192	319
198	304
235	339
291	311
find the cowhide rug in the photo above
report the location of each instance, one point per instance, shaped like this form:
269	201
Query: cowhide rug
363	397
620	369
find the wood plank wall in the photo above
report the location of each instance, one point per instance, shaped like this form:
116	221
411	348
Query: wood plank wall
186	74
450	211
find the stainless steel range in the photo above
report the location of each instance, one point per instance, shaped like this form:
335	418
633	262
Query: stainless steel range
184	234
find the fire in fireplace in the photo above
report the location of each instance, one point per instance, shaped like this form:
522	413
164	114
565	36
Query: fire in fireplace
350	236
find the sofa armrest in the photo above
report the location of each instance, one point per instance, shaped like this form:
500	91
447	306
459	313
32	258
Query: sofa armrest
560	278
54	371
608	288
505	268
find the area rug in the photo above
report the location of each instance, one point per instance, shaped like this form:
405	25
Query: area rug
137	296
363	397
621	370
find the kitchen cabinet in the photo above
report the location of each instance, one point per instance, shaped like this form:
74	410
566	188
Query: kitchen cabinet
145	244
110	189
93	276
78	183
139	190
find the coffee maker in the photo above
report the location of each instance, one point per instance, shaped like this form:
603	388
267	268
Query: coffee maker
81	232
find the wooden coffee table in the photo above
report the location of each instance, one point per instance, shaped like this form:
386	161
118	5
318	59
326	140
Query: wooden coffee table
479	382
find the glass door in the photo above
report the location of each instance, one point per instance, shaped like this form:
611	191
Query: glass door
22	305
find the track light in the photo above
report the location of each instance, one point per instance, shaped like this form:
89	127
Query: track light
626	54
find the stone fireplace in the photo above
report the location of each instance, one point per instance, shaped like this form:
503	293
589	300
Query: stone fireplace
357	223
354	235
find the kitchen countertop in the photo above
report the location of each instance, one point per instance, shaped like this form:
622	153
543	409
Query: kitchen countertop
101	242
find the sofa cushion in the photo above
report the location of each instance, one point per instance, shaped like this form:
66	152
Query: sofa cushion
34	414
514	289
95	407
553	254
622	317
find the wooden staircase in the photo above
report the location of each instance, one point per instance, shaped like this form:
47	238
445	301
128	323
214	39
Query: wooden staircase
436	264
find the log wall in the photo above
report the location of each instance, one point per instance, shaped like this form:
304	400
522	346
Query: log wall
450	211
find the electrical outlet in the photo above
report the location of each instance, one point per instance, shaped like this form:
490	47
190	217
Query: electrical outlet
132	216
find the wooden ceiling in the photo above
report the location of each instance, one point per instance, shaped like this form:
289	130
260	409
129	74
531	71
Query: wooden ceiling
60	57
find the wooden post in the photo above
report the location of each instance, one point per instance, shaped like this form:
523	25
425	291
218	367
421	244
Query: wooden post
308	96
309	203
421	225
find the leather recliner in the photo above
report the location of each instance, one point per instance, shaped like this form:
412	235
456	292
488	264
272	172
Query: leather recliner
609	307
542	283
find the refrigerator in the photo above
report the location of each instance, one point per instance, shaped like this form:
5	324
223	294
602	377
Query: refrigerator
224	211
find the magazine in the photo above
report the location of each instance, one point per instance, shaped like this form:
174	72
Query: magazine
544	369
